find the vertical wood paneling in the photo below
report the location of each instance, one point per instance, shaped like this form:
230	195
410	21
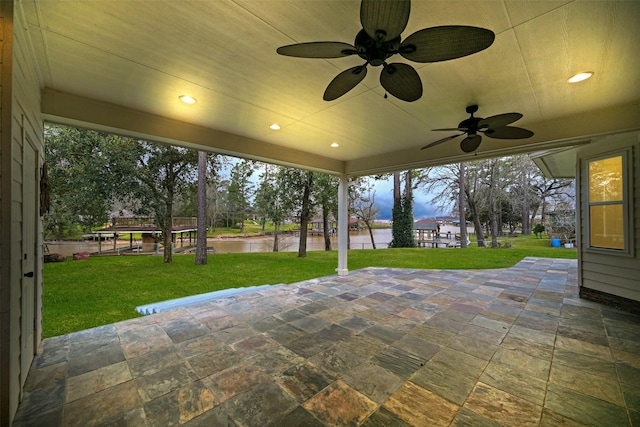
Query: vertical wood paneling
8	392
20	95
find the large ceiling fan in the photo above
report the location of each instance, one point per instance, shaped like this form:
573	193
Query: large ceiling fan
382	22
493	127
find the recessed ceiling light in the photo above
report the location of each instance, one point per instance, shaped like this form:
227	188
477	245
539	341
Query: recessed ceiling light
335	145
580	76
187	99
275	126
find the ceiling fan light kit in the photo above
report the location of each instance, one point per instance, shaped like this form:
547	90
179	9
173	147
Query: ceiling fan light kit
379	39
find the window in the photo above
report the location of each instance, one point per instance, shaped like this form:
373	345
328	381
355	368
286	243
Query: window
607	204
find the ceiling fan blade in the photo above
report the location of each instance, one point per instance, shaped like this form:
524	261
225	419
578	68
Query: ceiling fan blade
440	141
508	132
444	43
499	120
450	129
401	81
470	143
318	50
344	82
384	20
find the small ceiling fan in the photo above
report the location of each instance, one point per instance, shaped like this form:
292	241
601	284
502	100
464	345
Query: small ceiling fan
493	127
382	22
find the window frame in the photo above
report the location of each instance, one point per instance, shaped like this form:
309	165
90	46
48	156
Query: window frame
627	249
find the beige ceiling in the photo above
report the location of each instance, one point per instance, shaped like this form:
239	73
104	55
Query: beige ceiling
121	65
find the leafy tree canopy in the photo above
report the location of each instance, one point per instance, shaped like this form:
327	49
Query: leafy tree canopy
88	172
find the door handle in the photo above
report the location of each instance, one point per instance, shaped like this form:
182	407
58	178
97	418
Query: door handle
29	274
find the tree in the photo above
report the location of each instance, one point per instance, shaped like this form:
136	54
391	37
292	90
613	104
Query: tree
364	206
163	171
263	196
444	182
553	191
461	202
217	194
305	211
538	230
272	199
493	184
475	198
402	213
299	186
326	194
88	171
241	190
201	243
447	185
521	176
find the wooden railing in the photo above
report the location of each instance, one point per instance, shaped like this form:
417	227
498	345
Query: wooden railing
145	221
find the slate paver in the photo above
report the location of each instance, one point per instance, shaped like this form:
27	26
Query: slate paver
374	348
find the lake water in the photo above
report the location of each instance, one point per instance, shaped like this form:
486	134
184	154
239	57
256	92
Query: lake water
287	243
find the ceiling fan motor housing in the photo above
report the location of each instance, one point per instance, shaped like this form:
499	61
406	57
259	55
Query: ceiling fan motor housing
470	124
373	51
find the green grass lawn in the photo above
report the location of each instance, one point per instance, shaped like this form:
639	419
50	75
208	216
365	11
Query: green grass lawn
102	290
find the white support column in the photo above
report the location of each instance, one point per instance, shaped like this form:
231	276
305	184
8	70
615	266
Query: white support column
343	225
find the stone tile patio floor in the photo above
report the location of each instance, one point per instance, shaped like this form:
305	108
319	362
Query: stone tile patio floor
379	347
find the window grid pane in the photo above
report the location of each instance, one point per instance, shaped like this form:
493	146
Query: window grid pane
605	180
607	226
606	203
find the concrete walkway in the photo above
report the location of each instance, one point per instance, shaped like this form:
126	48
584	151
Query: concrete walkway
380	347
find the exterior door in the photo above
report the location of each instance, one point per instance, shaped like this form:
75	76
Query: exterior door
29	227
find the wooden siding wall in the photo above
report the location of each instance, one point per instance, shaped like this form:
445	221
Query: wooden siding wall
5	192
615	274
20	115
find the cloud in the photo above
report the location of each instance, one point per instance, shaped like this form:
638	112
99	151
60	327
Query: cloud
422	208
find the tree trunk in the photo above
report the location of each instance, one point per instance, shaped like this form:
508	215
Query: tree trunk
408	187
543	212
532	218
408	209
168	243
493	208
325	226
493	219
167	226
373	242
201	238
402	213
477	226
276	231
526	225
305	214
494	227
396	212
463	218
396	185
